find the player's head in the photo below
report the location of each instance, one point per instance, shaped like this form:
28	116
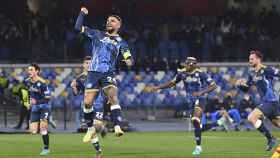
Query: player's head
33	70
113	23
190	63
255	58
86	62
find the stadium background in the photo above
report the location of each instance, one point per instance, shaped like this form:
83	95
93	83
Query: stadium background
160	33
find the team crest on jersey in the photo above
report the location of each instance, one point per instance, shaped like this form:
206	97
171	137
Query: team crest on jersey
257	78
38	84
191	79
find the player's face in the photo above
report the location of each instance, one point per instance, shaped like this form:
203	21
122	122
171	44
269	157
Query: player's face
86	64
190	66
32	71
254	60
113	24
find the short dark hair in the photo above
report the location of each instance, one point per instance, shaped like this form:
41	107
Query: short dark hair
36	66
87	58
116	16
257	53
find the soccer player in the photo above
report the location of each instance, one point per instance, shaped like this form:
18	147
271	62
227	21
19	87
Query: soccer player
262	77
106	47
194	79
39	95
78	87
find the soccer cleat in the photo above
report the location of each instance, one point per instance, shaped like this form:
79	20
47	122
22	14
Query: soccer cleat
271	144
45	152
197	151
118	131
89	134
98	154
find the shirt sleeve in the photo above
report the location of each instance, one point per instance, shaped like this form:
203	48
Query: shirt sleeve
178	77
125	51
206	78
91	33
272	72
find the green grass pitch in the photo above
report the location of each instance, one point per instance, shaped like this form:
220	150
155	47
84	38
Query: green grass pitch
139	145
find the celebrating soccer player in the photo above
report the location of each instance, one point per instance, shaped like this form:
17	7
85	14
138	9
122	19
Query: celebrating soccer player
194	79
106	47
262	77
40	108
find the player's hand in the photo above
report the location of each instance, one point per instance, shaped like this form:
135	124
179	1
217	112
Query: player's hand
84	10
197	94
240	82
74	84
150	89
33	101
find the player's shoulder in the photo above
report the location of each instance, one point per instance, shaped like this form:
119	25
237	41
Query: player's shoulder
82	75
42	80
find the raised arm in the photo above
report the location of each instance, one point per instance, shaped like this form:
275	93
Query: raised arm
168	84
80	20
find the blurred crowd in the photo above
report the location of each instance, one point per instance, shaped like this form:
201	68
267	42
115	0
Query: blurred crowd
154	40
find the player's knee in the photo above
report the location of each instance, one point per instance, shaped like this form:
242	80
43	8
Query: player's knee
251	118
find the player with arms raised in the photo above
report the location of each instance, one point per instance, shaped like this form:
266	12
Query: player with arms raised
106	48
193	79
262	77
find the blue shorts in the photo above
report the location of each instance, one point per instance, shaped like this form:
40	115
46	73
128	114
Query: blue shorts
270	110
96	80
40	112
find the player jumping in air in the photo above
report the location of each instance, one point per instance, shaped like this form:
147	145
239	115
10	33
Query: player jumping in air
97	124
40	108
262	77
106	47
193	79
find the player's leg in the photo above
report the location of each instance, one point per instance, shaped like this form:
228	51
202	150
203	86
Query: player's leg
44	118
111	92
91	91
34	120
196	121
95	141
256	118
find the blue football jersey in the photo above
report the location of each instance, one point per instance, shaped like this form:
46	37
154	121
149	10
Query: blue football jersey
263	80
193	81
38	90
105	50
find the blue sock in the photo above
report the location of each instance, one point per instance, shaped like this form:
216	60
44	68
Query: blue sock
116	114
95	144
197	132
265	131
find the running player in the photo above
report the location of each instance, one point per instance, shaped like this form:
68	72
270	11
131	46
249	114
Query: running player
262	77
39	95
194	80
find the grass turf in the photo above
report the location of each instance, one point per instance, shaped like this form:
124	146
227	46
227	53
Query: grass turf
139	145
